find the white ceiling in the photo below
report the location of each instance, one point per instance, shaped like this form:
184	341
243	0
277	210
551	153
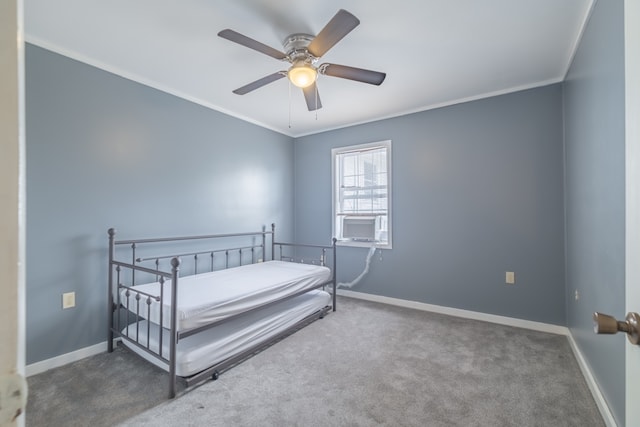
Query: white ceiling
435	52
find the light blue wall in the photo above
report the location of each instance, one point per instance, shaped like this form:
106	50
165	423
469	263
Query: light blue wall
595	140
102	152
477	191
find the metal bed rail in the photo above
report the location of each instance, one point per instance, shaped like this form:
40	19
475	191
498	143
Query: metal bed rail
134	244
214	371
139	296
321	261
212	254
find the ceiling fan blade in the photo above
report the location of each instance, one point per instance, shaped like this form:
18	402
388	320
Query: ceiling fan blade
312	97
260	82
352	73
251	43
339	26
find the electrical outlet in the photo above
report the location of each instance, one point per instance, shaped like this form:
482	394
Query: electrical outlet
510	278
68	300
577	295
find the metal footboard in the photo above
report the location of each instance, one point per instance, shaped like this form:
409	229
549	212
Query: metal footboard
137	305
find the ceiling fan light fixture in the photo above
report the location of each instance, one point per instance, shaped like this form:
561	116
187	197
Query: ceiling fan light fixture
302	74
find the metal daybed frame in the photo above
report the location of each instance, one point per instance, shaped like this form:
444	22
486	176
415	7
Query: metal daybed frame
120	315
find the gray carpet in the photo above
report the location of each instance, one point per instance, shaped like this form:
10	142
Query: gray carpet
367	364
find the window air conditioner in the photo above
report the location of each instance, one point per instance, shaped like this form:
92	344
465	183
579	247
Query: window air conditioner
359	228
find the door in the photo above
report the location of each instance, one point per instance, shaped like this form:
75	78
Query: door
632	209
632	197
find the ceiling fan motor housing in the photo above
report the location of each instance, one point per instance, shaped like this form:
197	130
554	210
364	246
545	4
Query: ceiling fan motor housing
295	47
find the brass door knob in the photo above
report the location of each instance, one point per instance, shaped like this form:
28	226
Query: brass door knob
605	324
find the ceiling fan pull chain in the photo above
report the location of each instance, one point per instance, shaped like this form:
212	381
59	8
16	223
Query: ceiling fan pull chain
289	105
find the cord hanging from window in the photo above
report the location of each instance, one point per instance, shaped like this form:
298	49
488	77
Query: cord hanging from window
367	263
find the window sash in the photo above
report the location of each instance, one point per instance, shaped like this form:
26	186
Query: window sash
361	173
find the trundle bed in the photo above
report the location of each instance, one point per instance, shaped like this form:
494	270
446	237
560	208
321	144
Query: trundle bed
195	324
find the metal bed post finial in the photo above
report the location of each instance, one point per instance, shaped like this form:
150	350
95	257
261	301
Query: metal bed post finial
112	235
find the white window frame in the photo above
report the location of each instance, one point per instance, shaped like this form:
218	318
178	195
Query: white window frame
335	194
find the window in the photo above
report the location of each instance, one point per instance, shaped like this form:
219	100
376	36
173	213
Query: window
362	194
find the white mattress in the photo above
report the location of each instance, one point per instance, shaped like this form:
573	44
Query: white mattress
205	349
210	297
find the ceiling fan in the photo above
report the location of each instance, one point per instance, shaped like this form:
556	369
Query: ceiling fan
303	52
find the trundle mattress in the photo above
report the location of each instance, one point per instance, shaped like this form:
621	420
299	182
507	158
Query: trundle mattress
211	346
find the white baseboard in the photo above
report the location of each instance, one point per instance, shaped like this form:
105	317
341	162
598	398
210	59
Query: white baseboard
64	359
509	321
457	312
607	416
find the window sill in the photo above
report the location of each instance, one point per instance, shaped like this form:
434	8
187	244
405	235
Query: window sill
363	244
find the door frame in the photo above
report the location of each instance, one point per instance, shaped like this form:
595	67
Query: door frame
12	191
